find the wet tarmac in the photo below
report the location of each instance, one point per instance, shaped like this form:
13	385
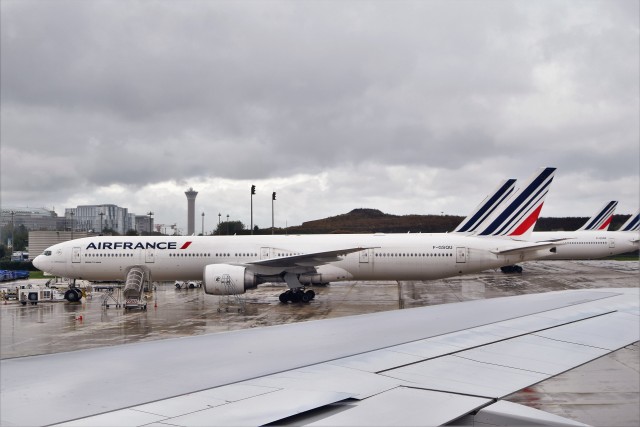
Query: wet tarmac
604	392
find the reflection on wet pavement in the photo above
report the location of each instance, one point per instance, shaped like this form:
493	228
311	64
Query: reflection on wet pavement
603	392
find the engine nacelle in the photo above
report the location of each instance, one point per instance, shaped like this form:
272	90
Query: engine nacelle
225	279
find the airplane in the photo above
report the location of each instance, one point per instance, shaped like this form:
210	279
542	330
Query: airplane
582	245
592	240
445	364
233	264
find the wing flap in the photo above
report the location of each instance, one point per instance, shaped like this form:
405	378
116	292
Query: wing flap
411	407
455	374
259	410
323	377
609	332
504	413
501	368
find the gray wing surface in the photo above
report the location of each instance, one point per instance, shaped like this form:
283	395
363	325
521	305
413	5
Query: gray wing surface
305	260
421	366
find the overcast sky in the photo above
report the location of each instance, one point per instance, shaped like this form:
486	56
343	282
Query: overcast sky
410	107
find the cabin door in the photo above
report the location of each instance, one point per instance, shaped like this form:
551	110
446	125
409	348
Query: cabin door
75	255
461	255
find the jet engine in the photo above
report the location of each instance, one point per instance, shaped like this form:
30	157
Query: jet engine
225	279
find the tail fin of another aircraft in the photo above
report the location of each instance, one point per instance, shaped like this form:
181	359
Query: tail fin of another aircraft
602	219
632	224
519	215
486	207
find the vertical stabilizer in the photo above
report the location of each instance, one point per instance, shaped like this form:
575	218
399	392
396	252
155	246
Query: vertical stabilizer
519	215
484	210
632	224
602	218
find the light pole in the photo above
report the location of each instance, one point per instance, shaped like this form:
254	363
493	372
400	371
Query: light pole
227	224
12	214
150	225
253	191
203	223
273	198
219	217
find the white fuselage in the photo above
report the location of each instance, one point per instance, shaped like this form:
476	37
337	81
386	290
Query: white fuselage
384	257
585	244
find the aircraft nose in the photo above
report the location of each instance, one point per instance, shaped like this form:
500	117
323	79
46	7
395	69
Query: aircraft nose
38	262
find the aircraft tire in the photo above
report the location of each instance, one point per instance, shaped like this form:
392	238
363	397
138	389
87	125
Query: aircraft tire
305	297
71	295
312	294
510	269
284	297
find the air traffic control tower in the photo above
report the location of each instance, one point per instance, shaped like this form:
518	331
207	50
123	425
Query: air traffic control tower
191	211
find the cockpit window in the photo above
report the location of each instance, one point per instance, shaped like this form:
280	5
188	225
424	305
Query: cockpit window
47	253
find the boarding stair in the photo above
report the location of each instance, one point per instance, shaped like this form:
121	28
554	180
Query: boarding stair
134	290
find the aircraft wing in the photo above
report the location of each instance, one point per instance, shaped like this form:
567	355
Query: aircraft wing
527	247
420	366
305	260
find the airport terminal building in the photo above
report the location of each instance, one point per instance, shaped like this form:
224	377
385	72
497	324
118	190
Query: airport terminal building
88	218
31	218
95	218
47	228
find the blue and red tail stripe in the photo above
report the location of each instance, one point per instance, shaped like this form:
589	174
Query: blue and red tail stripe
503	193
602	219
522	212
632	224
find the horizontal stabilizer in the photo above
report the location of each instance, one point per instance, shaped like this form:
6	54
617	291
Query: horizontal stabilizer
537	246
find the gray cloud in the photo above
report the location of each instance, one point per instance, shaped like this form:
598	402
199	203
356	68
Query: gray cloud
356	102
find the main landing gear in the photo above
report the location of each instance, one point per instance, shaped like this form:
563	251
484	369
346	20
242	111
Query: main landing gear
296	292
297	295
510	269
